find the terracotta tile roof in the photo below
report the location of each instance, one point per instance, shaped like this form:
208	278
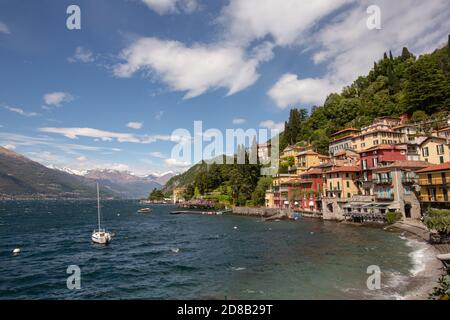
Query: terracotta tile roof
407	164
345	130
438	167
384	147
350	136
432	137
312	171
344	169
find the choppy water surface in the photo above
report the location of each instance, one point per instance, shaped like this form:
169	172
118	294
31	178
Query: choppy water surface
162	256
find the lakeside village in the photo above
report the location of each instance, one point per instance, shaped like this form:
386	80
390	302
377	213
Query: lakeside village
391	170
390	166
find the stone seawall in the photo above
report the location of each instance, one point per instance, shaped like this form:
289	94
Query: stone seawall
259	212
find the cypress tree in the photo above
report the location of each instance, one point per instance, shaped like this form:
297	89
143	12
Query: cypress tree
405	54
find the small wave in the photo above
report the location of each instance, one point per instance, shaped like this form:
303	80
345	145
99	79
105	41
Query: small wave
238	268
419	256
395	280
175	250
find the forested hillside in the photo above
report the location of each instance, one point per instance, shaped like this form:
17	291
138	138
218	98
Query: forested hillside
395	85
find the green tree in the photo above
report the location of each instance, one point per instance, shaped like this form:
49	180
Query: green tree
189	192
428	85
419	116
156	195
259	195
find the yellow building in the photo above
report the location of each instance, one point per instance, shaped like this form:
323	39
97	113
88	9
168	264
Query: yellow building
381	131
291	151
434	184
280	190
341	182
270	199
434	150
307	159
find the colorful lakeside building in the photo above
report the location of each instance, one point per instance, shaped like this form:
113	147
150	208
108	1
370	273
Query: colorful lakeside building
375	157
384	167
434	182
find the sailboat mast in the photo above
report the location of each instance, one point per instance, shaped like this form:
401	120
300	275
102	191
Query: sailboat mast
98	207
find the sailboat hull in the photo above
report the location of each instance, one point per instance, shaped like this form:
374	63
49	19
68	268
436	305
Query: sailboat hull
101	237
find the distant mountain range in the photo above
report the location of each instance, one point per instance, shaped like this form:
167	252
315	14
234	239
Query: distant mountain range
128	184
23	178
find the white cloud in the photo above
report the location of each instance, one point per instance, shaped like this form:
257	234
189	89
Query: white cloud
75	133
157	154
175	163
172	6
135	125
21	111
4	28
289	90
9	147
46	143
285	21
194	69
57	98
82	158
239	121
270	124
349	48
81	55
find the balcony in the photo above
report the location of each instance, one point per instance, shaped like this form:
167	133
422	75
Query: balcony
436	198
382	180
410	180
433	181
384	196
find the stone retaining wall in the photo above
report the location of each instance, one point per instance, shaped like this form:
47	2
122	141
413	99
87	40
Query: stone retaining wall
259	212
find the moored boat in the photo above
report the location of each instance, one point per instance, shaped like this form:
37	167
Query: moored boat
100	236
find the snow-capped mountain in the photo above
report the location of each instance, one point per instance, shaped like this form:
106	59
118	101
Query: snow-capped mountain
125	183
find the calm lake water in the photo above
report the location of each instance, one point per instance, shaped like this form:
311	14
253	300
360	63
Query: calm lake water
163	256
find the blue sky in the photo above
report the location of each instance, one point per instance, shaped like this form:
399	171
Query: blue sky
109	95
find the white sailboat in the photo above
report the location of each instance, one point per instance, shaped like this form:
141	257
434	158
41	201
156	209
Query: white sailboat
100	236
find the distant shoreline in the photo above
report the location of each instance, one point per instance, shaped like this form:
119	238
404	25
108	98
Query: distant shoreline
66	199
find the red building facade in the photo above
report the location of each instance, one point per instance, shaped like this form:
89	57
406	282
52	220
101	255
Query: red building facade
378	156
305	192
